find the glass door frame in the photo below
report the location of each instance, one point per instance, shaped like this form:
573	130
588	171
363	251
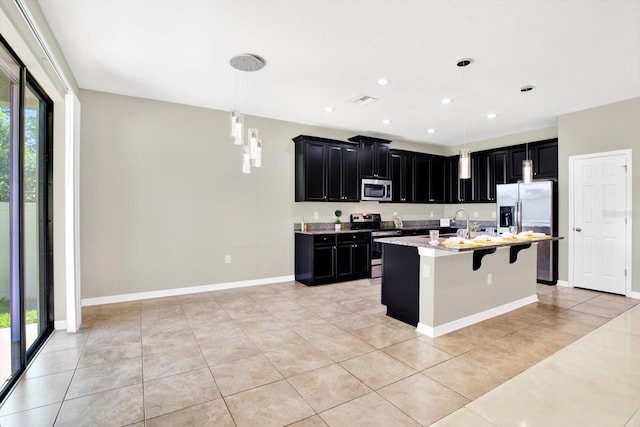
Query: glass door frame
20	355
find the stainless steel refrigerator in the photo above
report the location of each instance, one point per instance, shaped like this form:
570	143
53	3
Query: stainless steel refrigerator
532	206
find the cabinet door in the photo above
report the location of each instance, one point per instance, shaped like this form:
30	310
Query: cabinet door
422	179
334	173
516	156
437	180
344	260
395	169
314	172
408	188
360	261
452	180
545	160
498	167
350	175
480	167
381	160
324	262
366	159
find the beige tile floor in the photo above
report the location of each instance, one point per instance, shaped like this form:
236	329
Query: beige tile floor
287	354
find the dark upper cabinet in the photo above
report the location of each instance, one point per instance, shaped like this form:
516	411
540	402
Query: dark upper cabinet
437	180
429	184
374	156
516	155
342	173
459	190
544	155
422	178
489	169
311	176
326	170
401	169
545	159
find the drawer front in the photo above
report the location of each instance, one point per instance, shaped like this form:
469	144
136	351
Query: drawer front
354	237
328	239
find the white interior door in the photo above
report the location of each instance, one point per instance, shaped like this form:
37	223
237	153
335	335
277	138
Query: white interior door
600	222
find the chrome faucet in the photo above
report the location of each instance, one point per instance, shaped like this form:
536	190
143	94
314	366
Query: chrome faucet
466	234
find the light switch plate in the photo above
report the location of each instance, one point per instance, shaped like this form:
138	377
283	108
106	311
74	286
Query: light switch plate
445	222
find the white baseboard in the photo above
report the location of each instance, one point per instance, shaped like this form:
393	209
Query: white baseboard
183	291
635	295
434	332
60	324
564	284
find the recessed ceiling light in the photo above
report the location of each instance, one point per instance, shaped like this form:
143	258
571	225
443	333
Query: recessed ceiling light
492	116
386	121
329	109
432	130
383	81
446	101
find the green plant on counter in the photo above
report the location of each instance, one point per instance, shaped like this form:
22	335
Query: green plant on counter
474	227
338	214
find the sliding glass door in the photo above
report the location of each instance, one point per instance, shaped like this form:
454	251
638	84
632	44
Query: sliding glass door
26	312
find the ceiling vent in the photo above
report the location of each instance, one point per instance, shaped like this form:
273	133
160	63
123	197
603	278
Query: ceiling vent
363	100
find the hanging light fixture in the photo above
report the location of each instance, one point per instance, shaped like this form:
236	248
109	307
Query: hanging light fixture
464	163
527	163
252	150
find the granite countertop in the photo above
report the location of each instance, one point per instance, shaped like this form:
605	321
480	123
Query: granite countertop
423	241
332	231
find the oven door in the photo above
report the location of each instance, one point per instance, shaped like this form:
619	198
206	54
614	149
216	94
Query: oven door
376	250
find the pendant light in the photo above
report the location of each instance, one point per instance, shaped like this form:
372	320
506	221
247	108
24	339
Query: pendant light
252	150
464	163
527	163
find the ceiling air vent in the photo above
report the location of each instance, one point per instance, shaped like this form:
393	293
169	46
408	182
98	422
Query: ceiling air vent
363	100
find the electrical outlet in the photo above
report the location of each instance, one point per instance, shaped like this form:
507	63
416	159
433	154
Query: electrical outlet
315	215
430	214
395	213
493	215
227	259
489	278
475	214
426	271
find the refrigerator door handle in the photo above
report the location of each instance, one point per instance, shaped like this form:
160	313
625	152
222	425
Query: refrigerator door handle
519	215
578	229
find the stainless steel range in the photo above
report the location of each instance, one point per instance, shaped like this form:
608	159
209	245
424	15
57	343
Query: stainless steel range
364	221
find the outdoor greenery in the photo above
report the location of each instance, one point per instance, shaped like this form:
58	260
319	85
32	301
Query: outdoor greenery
30	154
5	319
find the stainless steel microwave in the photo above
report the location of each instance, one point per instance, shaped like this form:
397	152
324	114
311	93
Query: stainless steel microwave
375	189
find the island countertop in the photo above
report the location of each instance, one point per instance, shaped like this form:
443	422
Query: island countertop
423	242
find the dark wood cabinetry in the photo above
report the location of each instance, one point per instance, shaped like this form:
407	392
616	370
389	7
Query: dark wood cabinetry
374	156
429	182
326	170
401	169
460	190
328	258
491	168
545	159
330	170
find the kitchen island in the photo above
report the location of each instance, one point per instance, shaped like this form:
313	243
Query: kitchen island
444	287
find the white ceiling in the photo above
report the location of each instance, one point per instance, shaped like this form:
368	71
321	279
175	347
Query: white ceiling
578	54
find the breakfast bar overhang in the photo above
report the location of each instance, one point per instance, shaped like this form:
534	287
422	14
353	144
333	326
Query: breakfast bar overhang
440	288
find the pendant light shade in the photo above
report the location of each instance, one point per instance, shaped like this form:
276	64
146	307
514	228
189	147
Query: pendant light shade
527	163
237	126
464	164
527	171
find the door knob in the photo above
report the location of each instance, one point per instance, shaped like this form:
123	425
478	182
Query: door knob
578	229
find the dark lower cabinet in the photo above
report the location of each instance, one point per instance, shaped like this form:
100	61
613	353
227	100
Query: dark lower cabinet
400	282
332	257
